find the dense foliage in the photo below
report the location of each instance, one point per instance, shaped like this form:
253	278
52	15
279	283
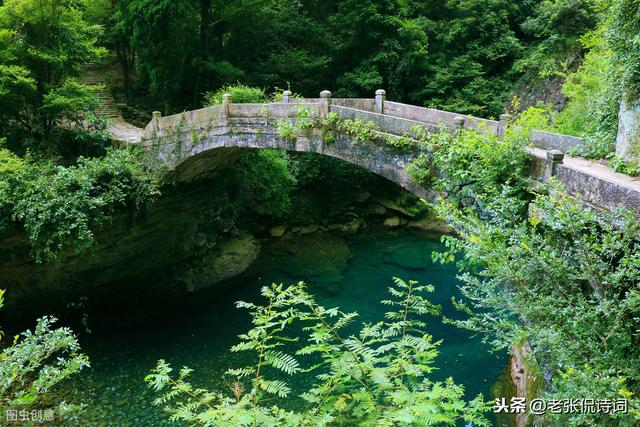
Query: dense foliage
622	32
42	45
458	55
377	375
59	205
34	364
550	272
541	268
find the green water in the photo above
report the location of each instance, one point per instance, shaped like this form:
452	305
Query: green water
353	275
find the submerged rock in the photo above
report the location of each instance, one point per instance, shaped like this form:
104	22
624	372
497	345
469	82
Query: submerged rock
310	229
231	259
407	255
278	231
393	206
378	210
321	257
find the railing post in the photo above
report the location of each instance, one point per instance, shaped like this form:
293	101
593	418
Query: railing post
554	157
381	96
458	123
154	118
286	95
502	125
226	105
325	103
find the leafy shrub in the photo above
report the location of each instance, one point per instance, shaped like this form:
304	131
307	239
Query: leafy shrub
241	94
621	165
473	164
11	167
593	100
360	130
59	205
556	275
378	376
37	93
265	181
566	280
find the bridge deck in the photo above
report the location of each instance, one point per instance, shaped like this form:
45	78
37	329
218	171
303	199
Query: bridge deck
596	183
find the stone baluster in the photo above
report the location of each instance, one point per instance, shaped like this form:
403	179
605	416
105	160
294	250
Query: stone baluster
381	96
325	103
286	96
502	125
155	116
628	139
227	99
554	157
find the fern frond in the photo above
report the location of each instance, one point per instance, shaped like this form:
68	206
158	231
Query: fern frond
282	361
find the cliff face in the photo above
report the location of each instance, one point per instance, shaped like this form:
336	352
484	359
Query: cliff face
150	253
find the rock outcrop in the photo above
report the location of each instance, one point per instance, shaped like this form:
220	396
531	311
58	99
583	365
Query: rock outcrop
140	256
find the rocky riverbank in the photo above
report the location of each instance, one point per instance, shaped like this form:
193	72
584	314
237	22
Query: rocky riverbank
179	247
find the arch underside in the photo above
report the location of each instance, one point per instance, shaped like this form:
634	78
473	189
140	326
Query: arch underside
192	157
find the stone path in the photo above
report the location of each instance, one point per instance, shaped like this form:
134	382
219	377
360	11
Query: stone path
99	74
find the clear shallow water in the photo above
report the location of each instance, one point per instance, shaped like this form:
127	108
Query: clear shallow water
353	275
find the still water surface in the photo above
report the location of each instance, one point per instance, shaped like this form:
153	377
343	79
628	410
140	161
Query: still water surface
353	275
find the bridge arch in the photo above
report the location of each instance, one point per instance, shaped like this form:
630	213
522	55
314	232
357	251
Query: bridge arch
180	142
196	143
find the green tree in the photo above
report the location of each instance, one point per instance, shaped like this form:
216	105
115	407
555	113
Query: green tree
458	55
163	35
623	26
42	45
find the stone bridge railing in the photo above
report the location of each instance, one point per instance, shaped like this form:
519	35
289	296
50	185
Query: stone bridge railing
191	142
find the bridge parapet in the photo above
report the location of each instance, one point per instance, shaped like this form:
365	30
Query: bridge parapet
180	138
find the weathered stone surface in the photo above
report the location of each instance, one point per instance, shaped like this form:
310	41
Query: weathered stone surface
391	205
555	141
527	384
136	254
192	143
608	191
310	229
351	227
628	140
232	258
431	225
431	115
392	222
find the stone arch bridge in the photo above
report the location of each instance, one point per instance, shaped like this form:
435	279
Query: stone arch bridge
197	143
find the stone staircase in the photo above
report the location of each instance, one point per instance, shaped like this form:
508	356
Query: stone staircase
97	74
104	76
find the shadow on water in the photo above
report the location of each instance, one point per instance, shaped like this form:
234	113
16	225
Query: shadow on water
353	275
